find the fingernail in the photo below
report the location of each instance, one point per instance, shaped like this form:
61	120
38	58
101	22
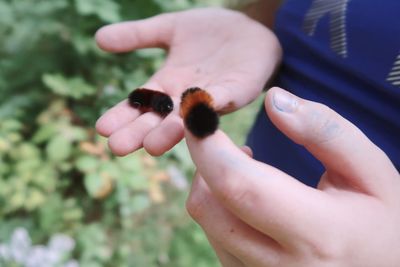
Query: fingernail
284	102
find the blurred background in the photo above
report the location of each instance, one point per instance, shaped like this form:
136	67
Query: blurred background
65	200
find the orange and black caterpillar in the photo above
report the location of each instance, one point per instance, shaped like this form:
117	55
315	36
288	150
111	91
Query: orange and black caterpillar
150	100
198	113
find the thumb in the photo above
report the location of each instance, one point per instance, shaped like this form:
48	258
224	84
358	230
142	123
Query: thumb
247	150
341	147
127	36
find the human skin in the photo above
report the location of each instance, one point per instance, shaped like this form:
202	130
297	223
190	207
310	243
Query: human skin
256	215
225	52
253	214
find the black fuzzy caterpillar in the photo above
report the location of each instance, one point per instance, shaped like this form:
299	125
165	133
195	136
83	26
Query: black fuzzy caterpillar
150	100
198	113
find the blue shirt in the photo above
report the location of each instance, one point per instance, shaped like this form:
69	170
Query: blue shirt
345	54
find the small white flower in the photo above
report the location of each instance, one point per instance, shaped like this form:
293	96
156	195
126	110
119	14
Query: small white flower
20	245
5	253
61	243
71	263
21	237
36	257
53	257
22	252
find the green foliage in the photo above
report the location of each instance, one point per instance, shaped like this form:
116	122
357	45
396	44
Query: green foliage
56	174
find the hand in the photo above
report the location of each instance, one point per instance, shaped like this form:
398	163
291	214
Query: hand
222	51
255	215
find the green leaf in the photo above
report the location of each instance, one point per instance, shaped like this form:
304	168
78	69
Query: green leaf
46	177
34	199
94	243
57	83
50	217
110	168
74	87
106	10
74	133
44	133
5	13
130	163
134	182
10	125
72	214
83	43
87	164
26	151
17	200
96	183
92	183
58	149
150	53
139	203
136	204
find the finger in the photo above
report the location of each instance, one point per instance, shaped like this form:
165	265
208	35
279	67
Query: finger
260	195
247	150
163	137
239	239
115	118
338	144
130	137
121	114
127	36
166	135
231	94
226	259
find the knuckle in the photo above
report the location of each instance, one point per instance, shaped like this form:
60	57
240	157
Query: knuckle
196	204
323	253
323	250
116	146
235	193
323	124
151	147
153	151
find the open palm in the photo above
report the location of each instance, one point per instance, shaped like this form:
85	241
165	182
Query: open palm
223	51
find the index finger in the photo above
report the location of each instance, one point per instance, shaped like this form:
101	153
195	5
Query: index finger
127	36
115	118
260	195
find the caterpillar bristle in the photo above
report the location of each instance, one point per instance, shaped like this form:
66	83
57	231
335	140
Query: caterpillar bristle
150	100
197	111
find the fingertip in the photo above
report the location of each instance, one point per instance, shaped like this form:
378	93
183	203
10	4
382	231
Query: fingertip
116	118
101	37
247	150
114	38
305	122
130	35
98	35
113	144
154	152
101	127
164	137
268	96
119	147
281	101
109	122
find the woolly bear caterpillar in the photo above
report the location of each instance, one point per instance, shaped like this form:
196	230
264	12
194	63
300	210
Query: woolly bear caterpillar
198	113
150	100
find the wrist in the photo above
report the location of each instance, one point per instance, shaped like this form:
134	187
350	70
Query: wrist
262	11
